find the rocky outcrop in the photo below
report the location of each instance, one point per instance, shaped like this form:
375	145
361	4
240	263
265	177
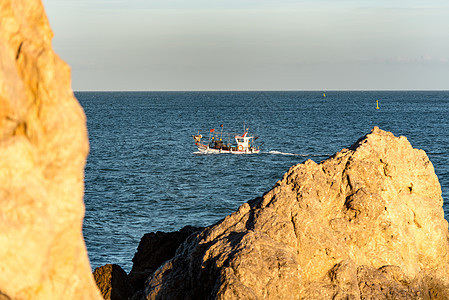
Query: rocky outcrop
153	250
367	223
43	149
113	282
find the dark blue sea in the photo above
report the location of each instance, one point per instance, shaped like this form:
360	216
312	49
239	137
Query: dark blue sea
143	175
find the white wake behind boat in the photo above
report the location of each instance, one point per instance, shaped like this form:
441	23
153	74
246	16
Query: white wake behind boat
244	144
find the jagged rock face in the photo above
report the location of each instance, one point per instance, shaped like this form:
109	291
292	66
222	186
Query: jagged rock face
367	223
153	250
113	282
43	149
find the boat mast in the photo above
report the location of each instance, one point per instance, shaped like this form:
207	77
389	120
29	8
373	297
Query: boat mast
210	135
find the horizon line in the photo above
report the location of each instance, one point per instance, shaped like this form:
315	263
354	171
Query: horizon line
274	90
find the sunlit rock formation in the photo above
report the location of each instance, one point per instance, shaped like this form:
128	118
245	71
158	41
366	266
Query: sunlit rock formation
367	223
43	149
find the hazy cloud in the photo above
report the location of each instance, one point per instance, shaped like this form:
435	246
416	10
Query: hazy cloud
204	44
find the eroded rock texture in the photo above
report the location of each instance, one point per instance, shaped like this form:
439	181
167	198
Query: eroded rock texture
367	223
43	149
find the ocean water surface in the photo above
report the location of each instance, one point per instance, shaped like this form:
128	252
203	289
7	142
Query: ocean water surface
143	173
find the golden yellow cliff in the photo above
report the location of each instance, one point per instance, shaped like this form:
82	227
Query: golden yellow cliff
43	149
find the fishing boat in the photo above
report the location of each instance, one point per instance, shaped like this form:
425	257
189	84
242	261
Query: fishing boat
220	142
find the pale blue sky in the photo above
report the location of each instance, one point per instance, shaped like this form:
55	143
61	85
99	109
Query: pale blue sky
253	44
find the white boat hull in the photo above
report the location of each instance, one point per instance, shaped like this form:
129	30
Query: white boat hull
206	150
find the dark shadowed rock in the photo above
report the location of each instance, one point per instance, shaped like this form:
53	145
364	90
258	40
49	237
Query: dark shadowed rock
153	250
367	223
113	282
